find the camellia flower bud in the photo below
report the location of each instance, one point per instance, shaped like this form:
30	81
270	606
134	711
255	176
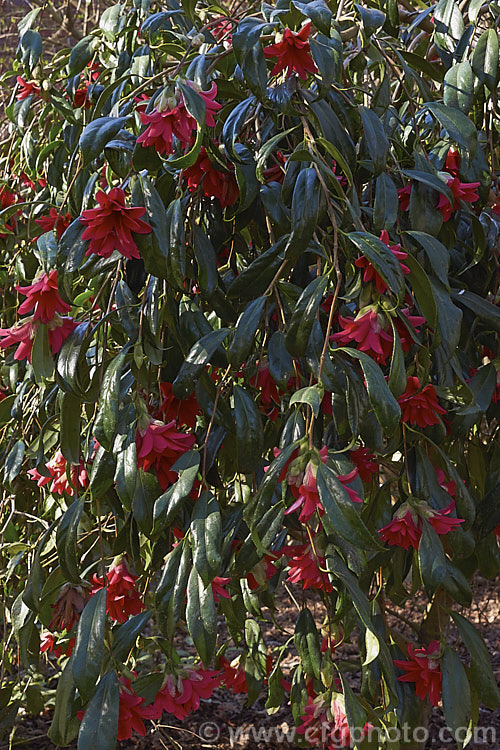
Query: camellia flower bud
197	41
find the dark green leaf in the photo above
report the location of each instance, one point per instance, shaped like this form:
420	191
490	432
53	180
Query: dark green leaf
107	411
431	559
13	462
459	127
199	356
201	616
306	640
206	530
305	212
97	134
385	210
481	671
65	724
245	334
125	636
375	139
459	87
66	541
485	58
89	646
385	406
456	695
70	427
100	722
341	516
304	316
249	431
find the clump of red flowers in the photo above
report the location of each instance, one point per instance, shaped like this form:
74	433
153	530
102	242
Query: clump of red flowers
405	529
23	332
372	333
307	567
43	297
170	119
234	675
26	89
424	669
7	198
419	405
465	191
159	446
110	226
122	597
461	191
181	694
215	182
48	644
58	476
325	725
363	460
54	221
183	411
130	712
293	53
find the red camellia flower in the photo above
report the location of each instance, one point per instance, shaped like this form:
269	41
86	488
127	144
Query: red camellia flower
307	497
404	197
131	713
423	668
58	479
82	96
218	589
405	529
26	89
122	599
55	221
304	567
221	29
183	411
293	53
7	198
464	191
59	330
166	123
363	460
182	693
48	643
402	531
68	607
43	297
23	333
159	446
441	521
326	726
371	274
453	161
234	675
215	183
262	572
368	330
110	226
419	406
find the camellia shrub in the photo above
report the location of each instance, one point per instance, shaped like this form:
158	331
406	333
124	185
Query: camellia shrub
250	271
